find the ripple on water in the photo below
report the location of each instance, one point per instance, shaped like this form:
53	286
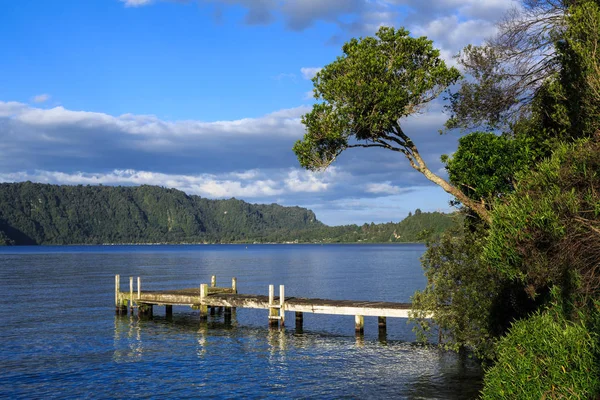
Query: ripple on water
61	339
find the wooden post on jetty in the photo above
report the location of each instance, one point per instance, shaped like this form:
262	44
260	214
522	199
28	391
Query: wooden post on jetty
139	287
276	312
359	324
120	304
299	321
281	305
131	294
228	310
213	283
382	323
203	306
273	317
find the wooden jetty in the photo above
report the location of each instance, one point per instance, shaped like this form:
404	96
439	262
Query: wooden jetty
209	298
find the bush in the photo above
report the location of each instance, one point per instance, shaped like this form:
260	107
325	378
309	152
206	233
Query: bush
545	357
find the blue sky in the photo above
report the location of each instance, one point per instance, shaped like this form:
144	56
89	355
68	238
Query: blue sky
206	96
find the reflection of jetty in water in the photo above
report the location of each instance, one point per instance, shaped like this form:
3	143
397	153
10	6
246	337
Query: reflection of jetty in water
224	301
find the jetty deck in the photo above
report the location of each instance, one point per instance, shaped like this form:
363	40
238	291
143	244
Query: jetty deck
207	298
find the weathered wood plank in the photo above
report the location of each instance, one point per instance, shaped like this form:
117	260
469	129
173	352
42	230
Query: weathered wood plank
216	297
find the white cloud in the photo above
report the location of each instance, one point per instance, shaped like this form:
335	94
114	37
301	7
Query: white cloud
10	108
136	3
249	184
282	122
452	34
41	98
309	72
310	182
383	188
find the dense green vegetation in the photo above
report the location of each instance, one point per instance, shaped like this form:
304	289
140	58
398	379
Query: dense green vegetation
518	283
32	213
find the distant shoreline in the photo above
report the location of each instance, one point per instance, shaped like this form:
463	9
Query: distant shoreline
209	244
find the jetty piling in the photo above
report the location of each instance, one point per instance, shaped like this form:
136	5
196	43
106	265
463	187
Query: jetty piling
203	306
227	299
131	293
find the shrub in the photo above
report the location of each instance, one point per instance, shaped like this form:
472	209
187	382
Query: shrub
545	357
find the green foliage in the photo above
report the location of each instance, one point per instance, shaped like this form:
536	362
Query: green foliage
376	81
49	214
580	76
546	357
485	164
460	294
546	232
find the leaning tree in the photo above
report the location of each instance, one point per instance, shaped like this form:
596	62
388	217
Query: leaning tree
364	95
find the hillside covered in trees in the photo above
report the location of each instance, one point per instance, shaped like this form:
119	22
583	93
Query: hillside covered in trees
33	213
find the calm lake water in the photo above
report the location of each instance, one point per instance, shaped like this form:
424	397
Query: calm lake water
61	338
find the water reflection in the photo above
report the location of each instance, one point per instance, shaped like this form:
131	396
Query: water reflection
288	361
128	332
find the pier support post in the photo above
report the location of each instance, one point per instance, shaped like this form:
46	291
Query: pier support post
131	294
117	286
299	321
382	323
120	301
213	283
227	316
139	287
359	324
281	305
145	310
234	290
273	317
169	312
203	306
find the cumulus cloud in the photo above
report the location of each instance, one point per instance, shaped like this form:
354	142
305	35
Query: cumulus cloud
309	72
383	188
246	184
41	98
451	23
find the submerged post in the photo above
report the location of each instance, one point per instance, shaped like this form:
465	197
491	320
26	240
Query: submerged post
169	311
299	321
382	323
359	324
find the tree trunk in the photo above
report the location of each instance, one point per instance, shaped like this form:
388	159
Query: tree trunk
479	208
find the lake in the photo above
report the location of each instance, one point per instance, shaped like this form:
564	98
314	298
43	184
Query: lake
62	339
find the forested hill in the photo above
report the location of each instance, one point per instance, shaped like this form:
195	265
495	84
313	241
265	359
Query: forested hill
33	213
